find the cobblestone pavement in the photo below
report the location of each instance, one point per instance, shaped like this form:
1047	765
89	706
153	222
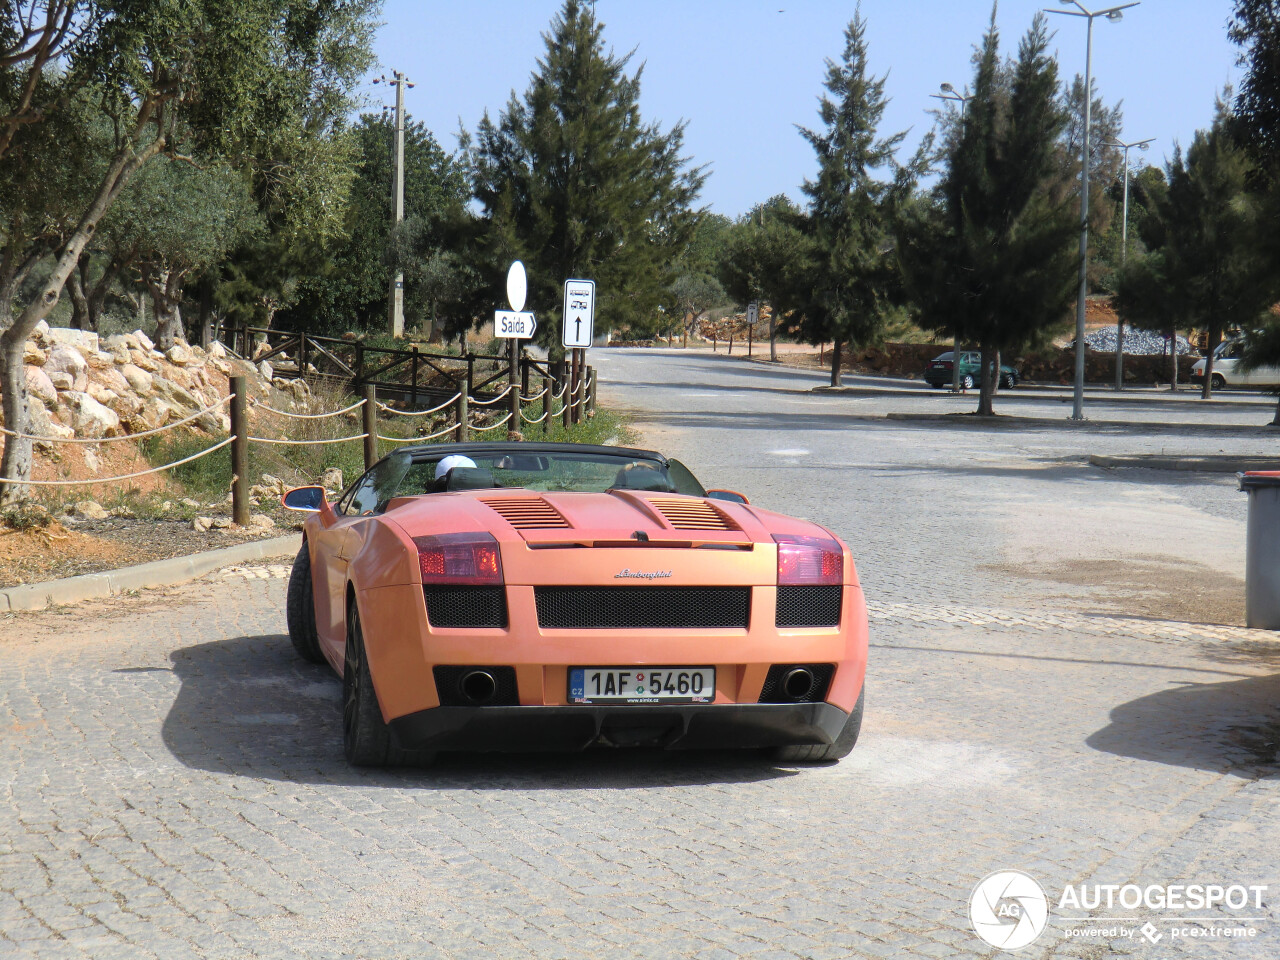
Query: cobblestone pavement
173	784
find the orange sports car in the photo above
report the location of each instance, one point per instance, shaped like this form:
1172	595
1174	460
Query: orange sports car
518	596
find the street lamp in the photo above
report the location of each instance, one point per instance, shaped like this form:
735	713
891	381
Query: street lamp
949	93
1124	248
1113	14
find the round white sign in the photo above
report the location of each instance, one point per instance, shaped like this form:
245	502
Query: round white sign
517	286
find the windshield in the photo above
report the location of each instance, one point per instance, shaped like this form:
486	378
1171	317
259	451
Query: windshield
545	472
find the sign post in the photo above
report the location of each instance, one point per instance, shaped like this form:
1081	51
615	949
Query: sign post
579	324
753	315
515	324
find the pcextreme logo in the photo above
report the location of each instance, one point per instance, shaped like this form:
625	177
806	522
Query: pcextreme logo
1008	909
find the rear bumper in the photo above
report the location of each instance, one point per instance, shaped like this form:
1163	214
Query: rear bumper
678	726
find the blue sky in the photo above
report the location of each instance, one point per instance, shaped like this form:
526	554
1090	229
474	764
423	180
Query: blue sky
744	74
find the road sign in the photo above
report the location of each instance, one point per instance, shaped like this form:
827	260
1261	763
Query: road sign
579	312
517	285
753	312
514	323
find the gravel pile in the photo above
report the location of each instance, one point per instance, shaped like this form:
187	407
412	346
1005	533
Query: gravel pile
1136	342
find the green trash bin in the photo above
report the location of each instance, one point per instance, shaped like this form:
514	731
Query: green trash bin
1262	549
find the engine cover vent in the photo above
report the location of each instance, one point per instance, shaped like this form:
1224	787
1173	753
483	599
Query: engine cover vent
527	513
693	514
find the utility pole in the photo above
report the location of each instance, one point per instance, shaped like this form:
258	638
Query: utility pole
1124	249
396	297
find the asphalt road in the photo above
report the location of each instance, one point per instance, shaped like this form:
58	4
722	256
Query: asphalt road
1057	686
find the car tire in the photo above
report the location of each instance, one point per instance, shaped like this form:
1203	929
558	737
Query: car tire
1008	381
1218	381
367	741
300	609
966	382
818	752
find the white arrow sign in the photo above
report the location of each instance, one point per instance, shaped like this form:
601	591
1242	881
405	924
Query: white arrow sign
579	312
513	323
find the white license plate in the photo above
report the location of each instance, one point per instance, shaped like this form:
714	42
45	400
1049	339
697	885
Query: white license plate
642	684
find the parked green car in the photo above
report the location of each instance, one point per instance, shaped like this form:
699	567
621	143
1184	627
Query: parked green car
938	373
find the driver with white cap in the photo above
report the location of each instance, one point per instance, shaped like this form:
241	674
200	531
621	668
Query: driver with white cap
451	461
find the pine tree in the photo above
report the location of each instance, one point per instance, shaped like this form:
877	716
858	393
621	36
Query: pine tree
996	260
851	279
575	183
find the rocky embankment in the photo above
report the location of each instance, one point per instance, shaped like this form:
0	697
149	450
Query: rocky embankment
87	387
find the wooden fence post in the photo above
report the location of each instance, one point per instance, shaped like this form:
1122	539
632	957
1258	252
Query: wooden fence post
591	391
464	429
370	420
565	398
239	452
413	402
546	404
513	398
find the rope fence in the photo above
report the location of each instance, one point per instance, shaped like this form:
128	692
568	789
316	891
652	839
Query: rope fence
419	413
127	476
583	394
307	416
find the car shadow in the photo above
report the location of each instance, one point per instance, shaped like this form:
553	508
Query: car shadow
250	707
1231	727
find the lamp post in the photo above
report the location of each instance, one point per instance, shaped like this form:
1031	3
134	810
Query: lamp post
1124	248
1113	14
396	298
949	93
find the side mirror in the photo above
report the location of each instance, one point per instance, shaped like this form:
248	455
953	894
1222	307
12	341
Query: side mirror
304	499
731	495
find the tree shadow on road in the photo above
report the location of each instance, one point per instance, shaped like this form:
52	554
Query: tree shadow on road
1231	727
249	707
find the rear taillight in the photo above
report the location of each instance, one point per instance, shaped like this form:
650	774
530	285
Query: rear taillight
808	560
465	559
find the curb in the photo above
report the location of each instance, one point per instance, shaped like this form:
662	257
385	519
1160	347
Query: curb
1189	464
1066	423
158	573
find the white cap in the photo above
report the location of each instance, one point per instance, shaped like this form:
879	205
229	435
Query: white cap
451	461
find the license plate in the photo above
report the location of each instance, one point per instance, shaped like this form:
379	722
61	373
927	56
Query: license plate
642	684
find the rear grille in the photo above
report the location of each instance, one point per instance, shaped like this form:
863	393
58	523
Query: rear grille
449	686
466	606
772	691
528	513
640	607
809	606
693	514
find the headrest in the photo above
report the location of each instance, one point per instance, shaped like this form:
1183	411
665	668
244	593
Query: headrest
470	478
642	478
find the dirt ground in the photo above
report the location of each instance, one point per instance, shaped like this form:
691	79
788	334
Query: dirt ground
69	548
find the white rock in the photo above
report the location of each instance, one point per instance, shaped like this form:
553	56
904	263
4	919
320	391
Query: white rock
118	346
98	360
43	425
273	484
41	331
176	395
40	386
125	513
331	479
188	502
61	381
100	393
216	350
90	510
138	379
166	506
85	340
112	379
65	359
178	354
223	523
33	355
261	521
266	370
144	342
201	524
91	459
141	359
89	418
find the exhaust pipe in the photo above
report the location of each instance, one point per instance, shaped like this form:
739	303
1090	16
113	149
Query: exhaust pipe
478	686
798	683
